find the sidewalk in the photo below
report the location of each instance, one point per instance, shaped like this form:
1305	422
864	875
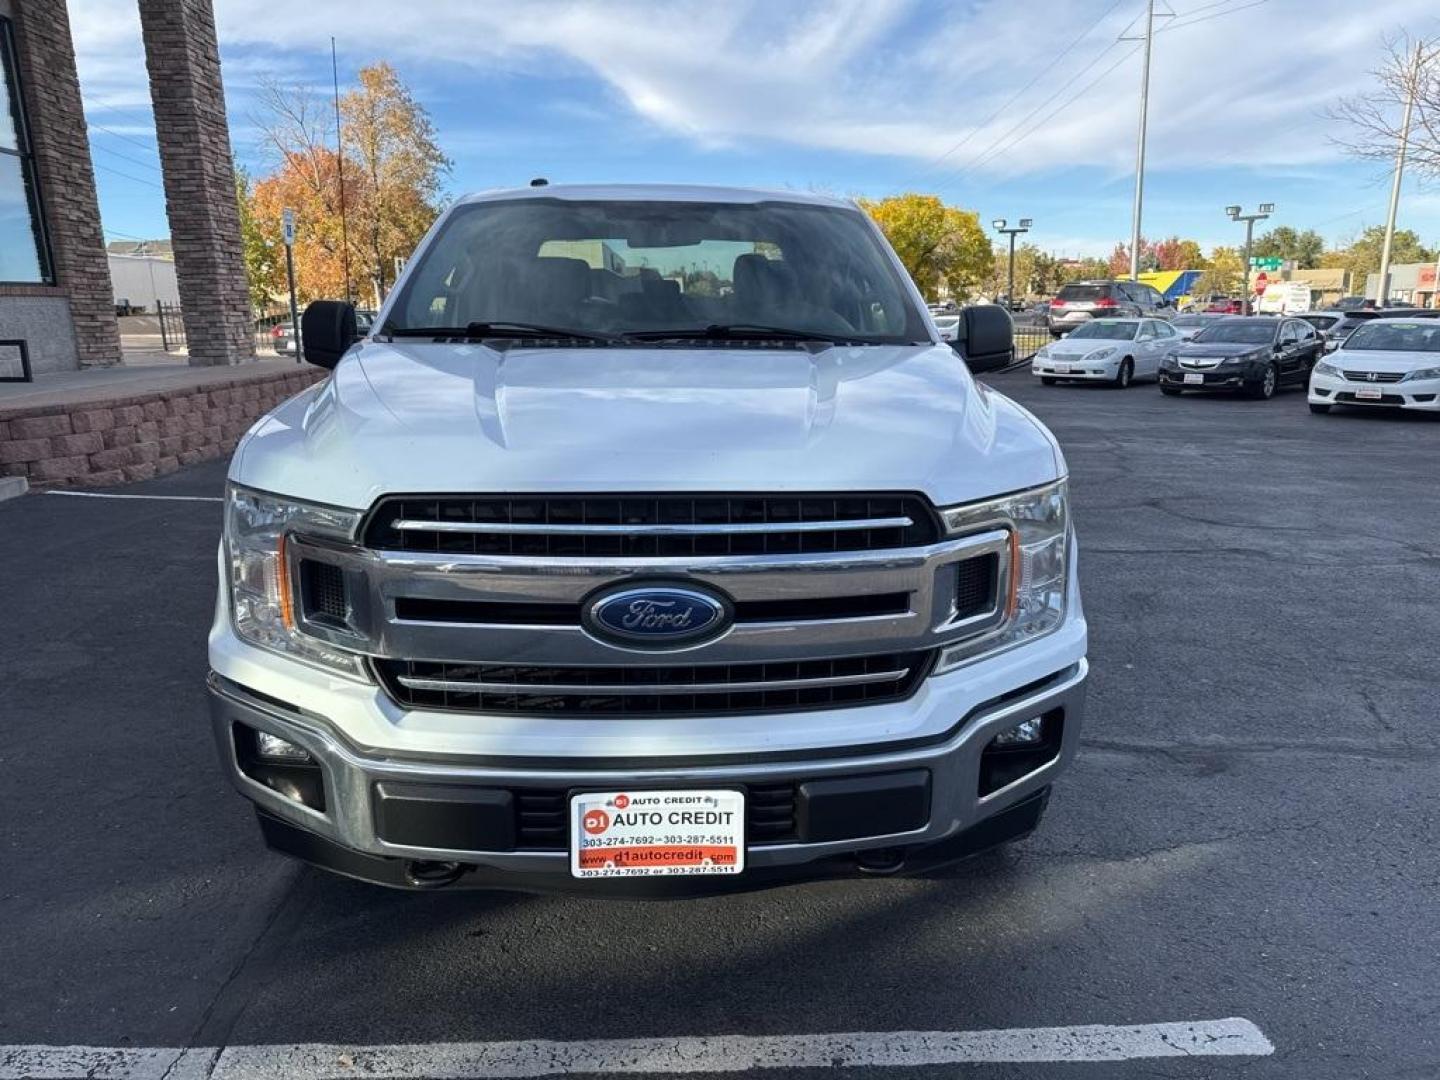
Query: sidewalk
105	426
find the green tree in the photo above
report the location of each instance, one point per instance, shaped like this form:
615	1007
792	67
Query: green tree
1282	242
941	246
1362	255
263	265
1224	273
1087	269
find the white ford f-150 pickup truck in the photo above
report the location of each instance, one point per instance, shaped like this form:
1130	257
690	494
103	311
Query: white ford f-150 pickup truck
652	540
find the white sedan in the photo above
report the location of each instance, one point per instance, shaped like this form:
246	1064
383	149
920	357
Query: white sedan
1394	362
1114	351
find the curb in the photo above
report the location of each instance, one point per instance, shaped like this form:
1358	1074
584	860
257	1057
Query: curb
12	487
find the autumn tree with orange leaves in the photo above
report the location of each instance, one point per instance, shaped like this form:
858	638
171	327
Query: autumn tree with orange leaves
394	173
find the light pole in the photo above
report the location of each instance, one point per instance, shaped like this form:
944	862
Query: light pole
1023	227
1266	209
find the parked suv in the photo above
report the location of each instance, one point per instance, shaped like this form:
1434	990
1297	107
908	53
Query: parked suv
1081	301
652	540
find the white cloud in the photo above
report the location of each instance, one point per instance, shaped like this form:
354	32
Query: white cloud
897	78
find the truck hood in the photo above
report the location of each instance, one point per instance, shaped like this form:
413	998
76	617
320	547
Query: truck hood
454	418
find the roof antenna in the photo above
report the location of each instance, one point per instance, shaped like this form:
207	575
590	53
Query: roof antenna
539	181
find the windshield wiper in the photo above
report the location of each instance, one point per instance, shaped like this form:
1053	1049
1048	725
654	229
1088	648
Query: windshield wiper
480	330
746	332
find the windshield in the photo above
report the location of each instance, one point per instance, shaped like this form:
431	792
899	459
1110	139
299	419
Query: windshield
1110	329
1184	321
612	268
1322	322
1396	337
1237	333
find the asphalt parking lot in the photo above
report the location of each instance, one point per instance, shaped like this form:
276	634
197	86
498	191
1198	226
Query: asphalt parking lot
1249	831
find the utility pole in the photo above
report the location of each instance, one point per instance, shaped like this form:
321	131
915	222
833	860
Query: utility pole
340	166
1140	142
287	233
1266	209
1023	227
1382	297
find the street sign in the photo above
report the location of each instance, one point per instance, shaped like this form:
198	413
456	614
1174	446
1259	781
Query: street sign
1258	262
1262	281
287	226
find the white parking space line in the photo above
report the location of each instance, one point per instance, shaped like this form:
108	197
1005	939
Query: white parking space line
1233	1037
144	498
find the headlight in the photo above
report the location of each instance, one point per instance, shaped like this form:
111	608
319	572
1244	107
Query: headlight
1034	600
1042	353
1323	368
1101	354
1423	373
262	593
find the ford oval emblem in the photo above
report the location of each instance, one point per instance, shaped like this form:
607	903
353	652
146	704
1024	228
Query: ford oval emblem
657	616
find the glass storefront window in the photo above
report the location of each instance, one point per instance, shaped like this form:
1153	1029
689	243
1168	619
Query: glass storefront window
23	252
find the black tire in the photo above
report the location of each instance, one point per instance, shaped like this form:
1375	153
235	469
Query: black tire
1046	380
1170	391
1320	410
1265	389
1125	376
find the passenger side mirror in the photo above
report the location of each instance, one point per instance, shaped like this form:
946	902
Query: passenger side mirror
987	337
327	330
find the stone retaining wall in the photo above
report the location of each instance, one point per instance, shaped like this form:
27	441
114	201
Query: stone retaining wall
102	443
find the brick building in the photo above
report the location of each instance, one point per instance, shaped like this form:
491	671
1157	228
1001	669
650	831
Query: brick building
55	288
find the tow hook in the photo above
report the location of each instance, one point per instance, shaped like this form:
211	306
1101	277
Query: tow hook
432	875
881	861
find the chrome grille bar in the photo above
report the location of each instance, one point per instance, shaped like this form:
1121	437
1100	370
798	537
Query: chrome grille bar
649	689
748	528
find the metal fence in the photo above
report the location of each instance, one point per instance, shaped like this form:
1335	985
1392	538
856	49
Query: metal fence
1028	340
172	326
267	321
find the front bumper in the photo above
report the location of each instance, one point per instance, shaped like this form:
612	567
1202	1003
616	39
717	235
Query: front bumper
345	831
1081	370
1235	377
1420	394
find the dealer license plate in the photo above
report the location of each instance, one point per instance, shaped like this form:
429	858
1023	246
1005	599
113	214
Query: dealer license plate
1369	393
657	833
1194	379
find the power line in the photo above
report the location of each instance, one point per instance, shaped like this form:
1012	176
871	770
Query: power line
997	151
1187	21
125	157
127	176
1006	143
1041	71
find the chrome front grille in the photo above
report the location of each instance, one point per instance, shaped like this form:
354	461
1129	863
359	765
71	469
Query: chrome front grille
1375	376
1200	363
627	526
475	630
648	690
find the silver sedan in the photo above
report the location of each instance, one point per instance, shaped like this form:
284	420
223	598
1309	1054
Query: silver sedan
1114	351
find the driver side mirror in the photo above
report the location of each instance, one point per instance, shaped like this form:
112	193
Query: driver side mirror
327	330
986	336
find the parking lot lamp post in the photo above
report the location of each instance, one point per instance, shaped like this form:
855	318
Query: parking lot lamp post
1266	209
1023	227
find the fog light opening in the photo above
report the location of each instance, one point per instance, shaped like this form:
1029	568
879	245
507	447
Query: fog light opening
1026	733
280	765
273	748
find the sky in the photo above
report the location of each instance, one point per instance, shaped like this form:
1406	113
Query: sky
1012	110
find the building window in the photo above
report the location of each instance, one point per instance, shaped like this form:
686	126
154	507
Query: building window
24	254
